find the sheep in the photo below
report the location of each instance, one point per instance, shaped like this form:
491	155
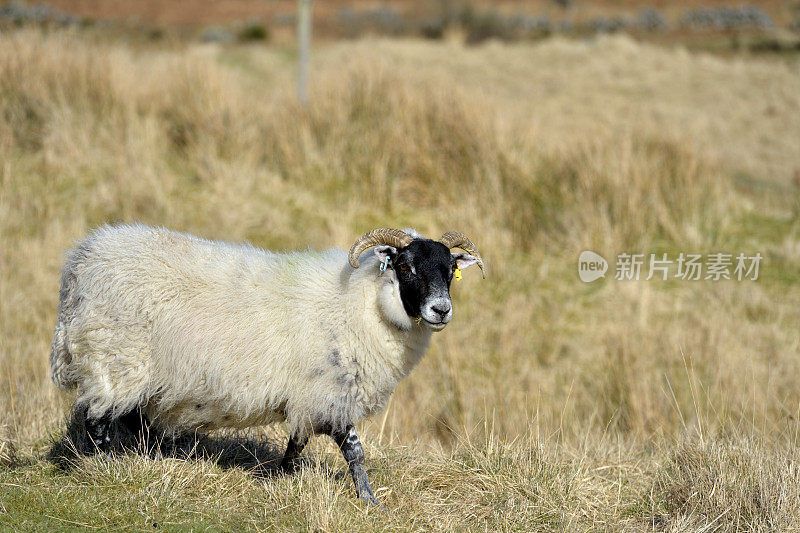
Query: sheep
199	334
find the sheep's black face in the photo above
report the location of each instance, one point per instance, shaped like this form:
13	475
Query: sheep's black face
424	271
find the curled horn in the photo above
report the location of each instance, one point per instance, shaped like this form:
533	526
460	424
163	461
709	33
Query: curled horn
455	239
392	237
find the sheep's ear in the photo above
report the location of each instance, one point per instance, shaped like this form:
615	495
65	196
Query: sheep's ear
383	251
464	260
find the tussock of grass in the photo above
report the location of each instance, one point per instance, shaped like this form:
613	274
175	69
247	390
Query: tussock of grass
7	449
741	485
548	403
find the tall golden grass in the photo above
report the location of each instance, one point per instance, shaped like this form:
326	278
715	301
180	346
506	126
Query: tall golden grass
683	390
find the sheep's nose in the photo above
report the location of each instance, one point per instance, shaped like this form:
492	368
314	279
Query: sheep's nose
441	309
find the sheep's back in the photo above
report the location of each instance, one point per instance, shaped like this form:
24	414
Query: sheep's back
200	331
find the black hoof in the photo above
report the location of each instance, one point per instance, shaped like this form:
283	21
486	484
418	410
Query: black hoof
369	499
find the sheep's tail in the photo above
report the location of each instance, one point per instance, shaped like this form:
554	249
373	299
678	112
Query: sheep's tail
60	357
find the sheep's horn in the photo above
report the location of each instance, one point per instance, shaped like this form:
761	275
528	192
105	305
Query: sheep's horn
455	239
392	237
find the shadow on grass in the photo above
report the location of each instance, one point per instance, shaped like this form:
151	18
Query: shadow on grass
257	455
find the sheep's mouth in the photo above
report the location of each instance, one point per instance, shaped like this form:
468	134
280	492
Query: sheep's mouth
435	326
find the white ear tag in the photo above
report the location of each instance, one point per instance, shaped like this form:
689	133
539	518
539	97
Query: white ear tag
384	263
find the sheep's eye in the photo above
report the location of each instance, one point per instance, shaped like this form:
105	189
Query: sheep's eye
405	268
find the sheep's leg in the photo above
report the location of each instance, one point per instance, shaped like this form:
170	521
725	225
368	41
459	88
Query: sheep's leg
99	430
353	453
293	450
137	423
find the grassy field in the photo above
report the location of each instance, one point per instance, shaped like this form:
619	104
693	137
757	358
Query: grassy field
766	27
191	12
548	403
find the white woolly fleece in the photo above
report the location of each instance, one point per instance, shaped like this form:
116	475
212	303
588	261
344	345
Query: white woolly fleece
210	334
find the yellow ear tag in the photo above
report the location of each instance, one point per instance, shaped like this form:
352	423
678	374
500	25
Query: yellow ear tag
457	274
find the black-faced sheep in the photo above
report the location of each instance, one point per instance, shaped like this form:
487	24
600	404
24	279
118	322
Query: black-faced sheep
201	334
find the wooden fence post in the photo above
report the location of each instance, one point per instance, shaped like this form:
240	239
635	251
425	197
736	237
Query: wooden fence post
304	48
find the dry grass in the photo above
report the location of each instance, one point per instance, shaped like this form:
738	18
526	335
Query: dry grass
548	403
